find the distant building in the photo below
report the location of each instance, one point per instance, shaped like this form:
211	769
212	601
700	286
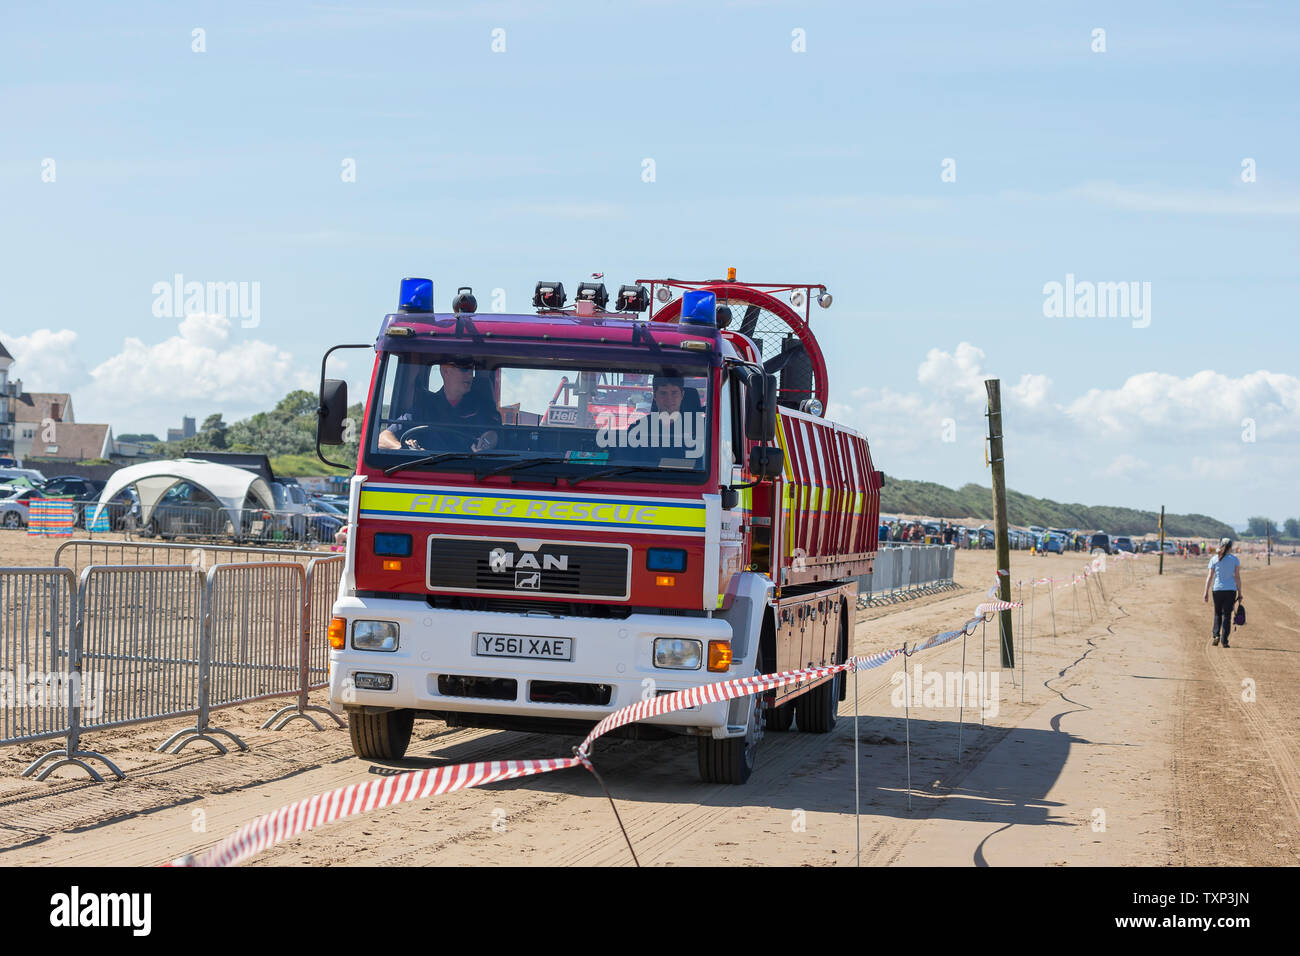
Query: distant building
75	443
42	424
8	392
188	429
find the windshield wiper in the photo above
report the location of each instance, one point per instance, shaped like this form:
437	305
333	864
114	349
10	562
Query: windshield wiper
446	456
526	463
617	470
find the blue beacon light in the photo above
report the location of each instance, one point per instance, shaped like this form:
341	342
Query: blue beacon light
699	307
416	295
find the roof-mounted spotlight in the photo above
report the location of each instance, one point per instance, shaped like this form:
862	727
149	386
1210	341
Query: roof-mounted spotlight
415	295
824	299
632	298
548	295
798	297
464	301
664	294
724	316
593	292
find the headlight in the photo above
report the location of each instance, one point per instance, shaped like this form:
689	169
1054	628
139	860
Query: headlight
374	635
678	653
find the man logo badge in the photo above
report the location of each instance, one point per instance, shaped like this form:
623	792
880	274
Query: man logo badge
500	561
530	580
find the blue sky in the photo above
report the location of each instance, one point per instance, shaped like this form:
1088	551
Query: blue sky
494	169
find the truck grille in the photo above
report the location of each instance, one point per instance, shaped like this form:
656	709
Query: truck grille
555	569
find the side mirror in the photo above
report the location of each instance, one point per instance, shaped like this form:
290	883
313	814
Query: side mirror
880	479
766	461
760	407
730	498
333	410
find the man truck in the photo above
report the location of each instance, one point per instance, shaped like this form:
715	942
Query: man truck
556	514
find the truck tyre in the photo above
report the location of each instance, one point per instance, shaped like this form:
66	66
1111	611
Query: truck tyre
816	710
780	718
732	760
380	736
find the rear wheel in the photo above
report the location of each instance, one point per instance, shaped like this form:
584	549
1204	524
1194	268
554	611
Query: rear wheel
382	736
780	718
13	519
816	710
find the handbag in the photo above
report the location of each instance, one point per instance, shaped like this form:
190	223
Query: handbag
1239	619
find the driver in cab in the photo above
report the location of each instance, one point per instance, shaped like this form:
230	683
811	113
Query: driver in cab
434	417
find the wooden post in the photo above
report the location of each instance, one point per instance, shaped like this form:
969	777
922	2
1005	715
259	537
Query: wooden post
994	388
1162	539
1268	542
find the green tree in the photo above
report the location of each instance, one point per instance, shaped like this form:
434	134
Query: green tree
1292	526
1257	526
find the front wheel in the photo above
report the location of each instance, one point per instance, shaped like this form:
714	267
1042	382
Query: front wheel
732	760
13	520
382	736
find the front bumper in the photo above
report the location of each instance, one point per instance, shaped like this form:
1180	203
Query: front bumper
616	654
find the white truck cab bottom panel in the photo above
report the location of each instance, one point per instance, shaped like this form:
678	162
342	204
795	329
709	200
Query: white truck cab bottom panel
612	652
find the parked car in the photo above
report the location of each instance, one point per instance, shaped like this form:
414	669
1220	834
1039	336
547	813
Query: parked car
28	477
1099	542
1124	544
16	507
1051	544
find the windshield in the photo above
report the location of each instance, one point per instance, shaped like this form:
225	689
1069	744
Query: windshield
490	414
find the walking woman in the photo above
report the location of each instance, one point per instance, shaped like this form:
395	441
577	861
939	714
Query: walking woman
1225	576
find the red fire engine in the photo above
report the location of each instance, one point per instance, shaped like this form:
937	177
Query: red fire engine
557	514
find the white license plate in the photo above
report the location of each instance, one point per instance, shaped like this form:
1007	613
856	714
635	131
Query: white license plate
518	645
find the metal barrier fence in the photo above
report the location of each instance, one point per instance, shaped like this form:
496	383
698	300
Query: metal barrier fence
37	614
140	632
81	553
903	571
255	525
144	643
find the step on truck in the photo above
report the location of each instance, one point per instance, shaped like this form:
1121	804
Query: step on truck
556	514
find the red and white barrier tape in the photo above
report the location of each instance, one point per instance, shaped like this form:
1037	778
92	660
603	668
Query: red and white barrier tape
297	818
287	822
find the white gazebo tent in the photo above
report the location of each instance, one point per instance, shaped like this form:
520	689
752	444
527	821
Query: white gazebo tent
228	485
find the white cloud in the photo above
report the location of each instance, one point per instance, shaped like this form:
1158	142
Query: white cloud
1247	202
1162	407
149	385
961	373
1126	466
954	373
46	360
